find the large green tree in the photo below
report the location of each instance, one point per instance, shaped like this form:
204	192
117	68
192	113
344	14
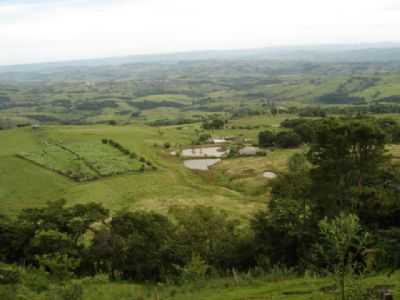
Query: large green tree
349	161
141	245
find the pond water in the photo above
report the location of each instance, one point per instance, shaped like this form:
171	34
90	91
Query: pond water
200	164
204	152
249	150
269	175
219	141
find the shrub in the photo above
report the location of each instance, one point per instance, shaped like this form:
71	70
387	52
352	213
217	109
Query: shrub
61	266
196	269
9	276
72	291
8	292
36	280
297	163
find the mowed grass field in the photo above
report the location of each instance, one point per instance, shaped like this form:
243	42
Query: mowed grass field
25	184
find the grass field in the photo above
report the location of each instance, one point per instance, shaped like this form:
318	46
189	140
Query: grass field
235	185
264	288
25	184
279	284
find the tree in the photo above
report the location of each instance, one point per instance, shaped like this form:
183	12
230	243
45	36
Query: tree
344	240
306	131
212	235
288	139
274	111
285	231
52	231
8	235
213	124
348	158
141	244
266	138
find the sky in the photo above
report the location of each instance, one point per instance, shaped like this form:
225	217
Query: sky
54	30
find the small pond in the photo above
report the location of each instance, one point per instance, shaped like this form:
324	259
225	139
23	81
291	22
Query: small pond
219	140
269	175
200	164
204	152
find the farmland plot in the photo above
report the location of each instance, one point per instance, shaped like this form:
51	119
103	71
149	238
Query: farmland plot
83	161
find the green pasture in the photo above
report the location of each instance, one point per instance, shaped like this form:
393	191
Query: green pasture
243	288
24	184
235	185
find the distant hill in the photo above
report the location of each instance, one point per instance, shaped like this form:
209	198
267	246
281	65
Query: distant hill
366	53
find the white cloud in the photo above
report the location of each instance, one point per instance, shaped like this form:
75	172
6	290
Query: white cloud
75	29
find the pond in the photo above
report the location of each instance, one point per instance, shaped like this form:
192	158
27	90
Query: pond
219	140
269	175
204	152
200	164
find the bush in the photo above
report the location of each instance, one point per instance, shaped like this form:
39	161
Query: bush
8	292
297	163
196	269
9	276
36	280
61	266
72	291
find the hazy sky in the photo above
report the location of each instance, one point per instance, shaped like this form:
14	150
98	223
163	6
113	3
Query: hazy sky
49	30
